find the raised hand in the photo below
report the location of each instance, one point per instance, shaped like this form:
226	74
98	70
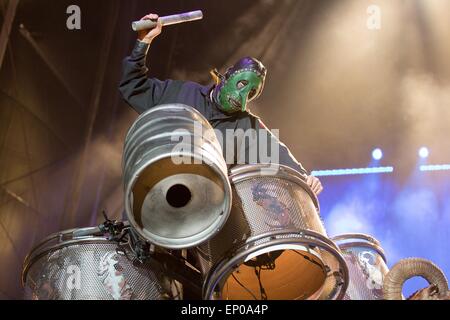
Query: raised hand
148	35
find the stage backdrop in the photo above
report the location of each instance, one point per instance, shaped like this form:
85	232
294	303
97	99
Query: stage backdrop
344	77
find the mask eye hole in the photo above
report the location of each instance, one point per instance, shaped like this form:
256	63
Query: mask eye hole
241	84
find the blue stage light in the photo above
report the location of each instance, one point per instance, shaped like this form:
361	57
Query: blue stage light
424	152
377	154
349	172
436	167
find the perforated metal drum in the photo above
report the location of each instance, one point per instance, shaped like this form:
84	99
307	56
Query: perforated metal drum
274	245
177	193
366	264
82	264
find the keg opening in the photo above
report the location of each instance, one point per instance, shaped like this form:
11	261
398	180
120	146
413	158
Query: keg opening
178	196
175	219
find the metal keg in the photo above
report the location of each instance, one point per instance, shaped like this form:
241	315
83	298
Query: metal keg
177	192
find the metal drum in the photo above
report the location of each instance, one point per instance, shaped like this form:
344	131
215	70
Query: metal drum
274	245
83	264
177	192
366	264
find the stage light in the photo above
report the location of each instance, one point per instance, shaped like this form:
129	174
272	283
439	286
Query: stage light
438	167
349	172
424	152
377	154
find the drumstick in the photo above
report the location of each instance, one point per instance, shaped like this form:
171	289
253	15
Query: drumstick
168	20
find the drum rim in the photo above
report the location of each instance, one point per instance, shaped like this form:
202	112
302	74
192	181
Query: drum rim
214	228
361	236
242	173
179	106
306	237
43	247
372	243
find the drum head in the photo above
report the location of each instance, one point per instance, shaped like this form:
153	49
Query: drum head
291	274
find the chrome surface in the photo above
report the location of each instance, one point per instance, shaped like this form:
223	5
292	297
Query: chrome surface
366	263
156	141
274	224
82	264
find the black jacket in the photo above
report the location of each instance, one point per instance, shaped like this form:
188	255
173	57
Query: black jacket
143	93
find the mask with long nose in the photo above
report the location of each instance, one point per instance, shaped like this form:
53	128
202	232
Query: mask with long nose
241	84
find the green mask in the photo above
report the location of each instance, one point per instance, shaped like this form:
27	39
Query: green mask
241	87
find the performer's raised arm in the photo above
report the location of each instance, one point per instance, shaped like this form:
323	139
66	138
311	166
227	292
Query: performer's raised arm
139	91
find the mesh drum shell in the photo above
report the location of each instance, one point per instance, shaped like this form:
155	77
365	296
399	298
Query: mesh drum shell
248	228
48	270
364	284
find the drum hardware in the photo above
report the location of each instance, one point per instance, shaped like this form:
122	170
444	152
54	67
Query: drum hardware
180	270
142	250
113	228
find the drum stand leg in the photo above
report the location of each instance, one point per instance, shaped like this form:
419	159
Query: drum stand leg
177	269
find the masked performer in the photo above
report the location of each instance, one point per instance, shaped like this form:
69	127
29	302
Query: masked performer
224	104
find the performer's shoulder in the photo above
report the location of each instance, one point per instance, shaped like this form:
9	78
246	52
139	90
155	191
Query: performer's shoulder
195	86
192	84
188	85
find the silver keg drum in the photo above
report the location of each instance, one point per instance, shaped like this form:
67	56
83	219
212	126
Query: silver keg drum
366	264
83	264
274	245
177	192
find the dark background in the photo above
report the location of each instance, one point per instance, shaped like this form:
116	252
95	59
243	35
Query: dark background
335	89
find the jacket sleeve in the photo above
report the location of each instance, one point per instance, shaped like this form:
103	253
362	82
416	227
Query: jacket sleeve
139	91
